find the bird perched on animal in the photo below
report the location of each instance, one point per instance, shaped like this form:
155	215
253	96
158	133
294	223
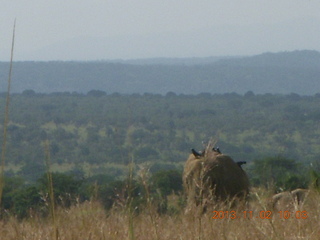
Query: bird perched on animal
216	150
241	163
196	154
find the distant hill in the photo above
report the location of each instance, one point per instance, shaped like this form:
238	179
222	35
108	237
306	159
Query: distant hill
283	72
173	61
305	59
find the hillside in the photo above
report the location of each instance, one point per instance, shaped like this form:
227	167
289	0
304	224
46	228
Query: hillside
283	73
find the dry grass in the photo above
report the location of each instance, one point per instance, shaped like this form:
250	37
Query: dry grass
90	221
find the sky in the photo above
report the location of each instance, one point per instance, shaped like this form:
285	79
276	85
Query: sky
132	29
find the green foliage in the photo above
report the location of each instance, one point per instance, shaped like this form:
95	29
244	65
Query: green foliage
133	194
101	179
158	129
122	193
144	154
25	200
66	188
12	186
167	181
29	201
111	192
32	171
162	166
315	179
278	173
104	132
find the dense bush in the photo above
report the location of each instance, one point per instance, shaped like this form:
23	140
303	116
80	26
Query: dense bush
135	192
167	181
279	173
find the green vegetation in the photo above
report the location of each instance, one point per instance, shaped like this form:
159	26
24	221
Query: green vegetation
95	137
96	141
21	200
136	192
278	174
102	133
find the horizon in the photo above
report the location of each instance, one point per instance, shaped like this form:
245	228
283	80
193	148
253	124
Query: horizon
124	60
31	92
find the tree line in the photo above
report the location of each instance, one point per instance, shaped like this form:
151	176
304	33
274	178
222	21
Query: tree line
100	128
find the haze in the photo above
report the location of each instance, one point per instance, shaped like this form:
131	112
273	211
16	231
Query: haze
124	29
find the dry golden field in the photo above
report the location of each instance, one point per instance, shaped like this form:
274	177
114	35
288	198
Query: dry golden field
90	221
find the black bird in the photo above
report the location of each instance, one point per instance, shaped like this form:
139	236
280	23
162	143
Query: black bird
216	150
195	153
241	163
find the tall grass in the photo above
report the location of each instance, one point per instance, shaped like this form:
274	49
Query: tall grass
50	190
144	178
6	117
131	233
90	221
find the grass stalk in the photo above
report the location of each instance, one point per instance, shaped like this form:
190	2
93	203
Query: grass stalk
131	234
145	179
202	203
50	189
6	117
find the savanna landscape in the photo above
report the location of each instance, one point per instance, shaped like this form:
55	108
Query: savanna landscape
113	166
109	166
161	120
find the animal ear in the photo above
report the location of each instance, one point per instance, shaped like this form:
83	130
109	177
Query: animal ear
195	153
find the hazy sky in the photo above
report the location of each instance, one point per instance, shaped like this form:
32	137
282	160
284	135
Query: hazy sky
110	29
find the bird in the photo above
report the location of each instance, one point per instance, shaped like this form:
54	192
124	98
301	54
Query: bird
216	150
241	163
195	153
198	154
